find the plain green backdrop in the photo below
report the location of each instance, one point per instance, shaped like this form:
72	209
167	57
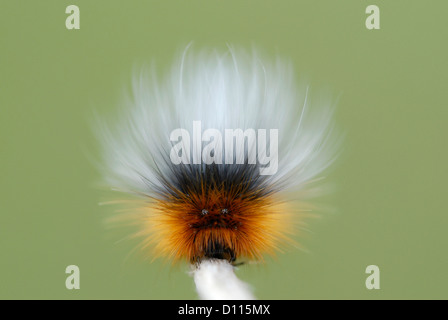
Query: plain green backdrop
391	180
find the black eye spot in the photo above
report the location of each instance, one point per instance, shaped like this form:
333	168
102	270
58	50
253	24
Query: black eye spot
204	212
224	211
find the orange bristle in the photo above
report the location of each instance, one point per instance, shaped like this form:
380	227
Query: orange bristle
219	224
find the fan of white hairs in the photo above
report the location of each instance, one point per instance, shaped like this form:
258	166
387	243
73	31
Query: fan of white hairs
206	201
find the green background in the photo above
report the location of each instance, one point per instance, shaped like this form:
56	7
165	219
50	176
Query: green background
391	179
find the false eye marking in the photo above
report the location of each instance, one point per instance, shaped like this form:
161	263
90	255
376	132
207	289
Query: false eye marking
224	211
204	212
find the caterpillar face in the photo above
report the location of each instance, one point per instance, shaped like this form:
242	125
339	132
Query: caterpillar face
202	199
220	211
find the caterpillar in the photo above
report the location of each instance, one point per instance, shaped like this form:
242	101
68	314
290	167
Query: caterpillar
233	191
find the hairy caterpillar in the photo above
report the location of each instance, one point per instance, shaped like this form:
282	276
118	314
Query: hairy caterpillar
204	201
